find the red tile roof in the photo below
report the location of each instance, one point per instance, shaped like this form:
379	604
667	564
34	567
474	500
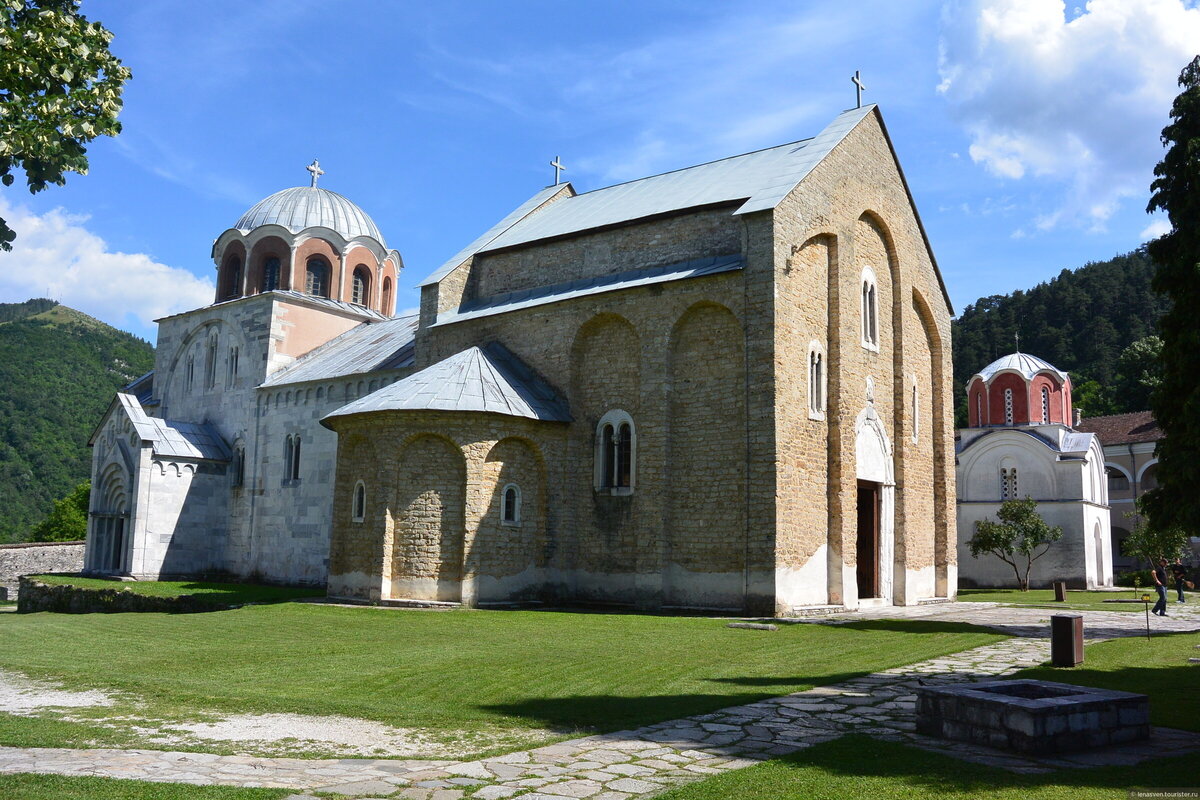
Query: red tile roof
1123	428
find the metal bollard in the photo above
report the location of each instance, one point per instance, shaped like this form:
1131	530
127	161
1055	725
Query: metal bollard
1066	640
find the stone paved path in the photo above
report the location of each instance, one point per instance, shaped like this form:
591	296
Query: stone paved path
646	761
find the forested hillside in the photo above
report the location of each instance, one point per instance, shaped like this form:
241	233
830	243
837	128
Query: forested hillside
58	369
1081	321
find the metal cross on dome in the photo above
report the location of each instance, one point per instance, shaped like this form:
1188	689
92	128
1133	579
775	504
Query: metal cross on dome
859	88
315	169
558	168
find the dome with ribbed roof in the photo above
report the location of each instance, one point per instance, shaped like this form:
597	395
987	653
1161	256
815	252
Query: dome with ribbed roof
1022	363
308	206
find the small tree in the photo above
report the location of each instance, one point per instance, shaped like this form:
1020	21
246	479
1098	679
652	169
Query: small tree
1018	539
67	522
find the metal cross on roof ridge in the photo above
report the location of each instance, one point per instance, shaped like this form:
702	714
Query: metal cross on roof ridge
558	168
858	88
315	169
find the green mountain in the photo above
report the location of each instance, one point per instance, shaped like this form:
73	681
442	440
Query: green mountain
1081	322
59	369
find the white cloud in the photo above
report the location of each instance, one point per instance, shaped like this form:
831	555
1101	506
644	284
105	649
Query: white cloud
55	256
1075	98
1155	229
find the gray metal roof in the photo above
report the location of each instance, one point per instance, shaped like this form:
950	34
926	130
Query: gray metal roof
308	206
514	301
481	379
173	439
370	347
761	179
142	388
1022	363
519	213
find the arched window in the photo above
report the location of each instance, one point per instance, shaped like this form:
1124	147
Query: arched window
616	445
239	466
510	505
361	286
979	409
1008	483
870	311
1008	407
231	370
816	382
210	363
1045	405
296	458
233	278
191	371
316	277
385	303
288	446
271	275
359	512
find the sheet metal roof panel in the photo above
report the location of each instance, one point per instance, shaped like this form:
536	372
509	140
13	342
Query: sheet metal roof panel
486	379
802	161
500	227
570	290
174	439
370	347
732	179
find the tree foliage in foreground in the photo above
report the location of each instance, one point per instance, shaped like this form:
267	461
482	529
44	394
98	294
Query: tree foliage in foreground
60	88
1094	322
67	521
1020	538
1176	403
1149	542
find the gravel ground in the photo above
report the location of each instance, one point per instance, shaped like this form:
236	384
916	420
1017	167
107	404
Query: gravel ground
251	733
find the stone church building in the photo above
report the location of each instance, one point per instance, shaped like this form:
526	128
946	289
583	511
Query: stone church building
725	387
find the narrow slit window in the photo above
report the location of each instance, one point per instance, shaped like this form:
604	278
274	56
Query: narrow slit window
316	281
271	275
1045	405
510	505
1008	407
360	502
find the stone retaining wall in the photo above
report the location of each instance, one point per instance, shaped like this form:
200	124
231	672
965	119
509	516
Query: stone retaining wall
35	558
67	599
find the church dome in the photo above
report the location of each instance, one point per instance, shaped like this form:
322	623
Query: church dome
1023	363
308	206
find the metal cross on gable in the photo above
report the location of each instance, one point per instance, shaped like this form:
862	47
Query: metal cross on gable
315	169
859	88
558	168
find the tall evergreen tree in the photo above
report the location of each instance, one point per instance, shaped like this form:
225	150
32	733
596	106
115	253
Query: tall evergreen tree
1176	190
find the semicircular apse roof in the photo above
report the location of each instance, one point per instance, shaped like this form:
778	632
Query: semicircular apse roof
307	206
1023	363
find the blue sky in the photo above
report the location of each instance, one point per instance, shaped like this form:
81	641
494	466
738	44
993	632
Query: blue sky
1027	129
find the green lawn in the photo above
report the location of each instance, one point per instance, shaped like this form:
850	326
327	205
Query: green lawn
1044	598
448	671
217	594
1158	668
58	787
859	768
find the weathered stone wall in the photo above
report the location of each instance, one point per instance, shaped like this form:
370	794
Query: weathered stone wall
696	234
705	555
66	599
35	558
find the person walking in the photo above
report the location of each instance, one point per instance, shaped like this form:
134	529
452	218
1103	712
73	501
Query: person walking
1160	586
1179	573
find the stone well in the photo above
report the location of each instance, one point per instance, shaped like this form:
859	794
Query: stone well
1028	716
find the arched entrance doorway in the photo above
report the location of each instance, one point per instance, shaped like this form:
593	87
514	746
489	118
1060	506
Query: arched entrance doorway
875	540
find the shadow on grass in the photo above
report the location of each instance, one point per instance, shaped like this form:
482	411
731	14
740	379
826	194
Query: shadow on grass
859	767
613	712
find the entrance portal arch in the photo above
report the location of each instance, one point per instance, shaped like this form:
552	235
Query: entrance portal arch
876	502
